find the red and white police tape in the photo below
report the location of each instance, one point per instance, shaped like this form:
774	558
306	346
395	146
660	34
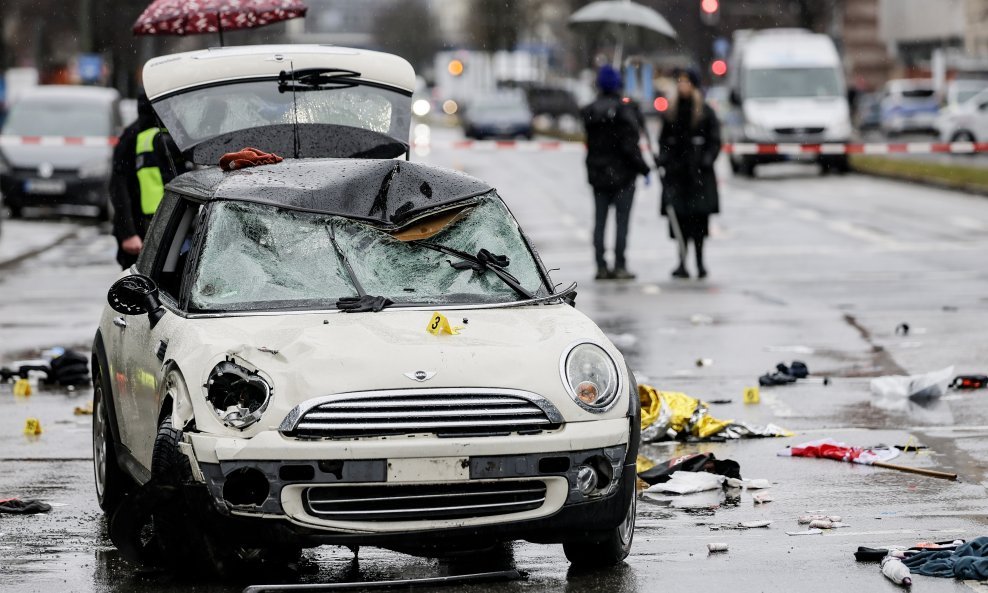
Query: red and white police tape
10	140
738	148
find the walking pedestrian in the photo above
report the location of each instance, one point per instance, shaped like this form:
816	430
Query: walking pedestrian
613	126
145	159
688	146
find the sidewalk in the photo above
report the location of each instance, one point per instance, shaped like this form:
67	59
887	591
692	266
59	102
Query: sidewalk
21	239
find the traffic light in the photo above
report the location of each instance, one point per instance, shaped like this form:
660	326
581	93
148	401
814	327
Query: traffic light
710	11
718	67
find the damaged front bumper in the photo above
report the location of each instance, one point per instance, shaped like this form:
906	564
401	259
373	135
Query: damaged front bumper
378	491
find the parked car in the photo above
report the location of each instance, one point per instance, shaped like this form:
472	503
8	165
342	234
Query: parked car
345	347
786	86
909	105
500	115
58	143
966	122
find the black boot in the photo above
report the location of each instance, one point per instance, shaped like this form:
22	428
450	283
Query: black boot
701	271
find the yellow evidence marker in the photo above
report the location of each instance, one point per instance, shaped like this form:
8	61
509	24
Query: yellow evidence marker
32	427
438	324
751	395
22	388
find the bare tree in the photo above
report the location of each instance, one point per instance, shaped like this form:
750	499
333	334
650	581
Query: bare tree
406	28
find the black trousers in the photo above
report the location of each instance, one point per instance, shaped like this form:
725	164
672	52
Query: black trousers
620	198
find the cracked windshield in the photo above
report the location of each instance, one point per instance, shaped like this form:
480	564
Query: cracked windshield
493	296
259	257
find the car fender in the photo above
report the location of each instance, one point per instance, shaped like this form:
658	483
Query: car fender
99	358
175	397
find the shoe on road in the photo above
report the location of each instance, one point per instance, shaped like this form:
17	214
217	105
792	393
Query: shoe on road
603	274
680	272
622	274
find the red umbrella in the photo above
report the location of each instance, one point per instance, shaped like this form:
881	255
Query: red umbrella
191	17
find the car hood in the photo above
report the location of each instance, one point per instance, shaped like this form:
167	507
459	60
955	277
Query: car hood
29	156
796	112
308	356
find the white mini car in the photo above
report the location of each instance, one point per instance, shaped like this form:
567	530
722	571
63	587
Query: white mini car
345	347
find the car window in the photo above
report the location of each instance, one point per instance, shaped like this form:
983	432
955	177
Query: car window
59	118
772	83
262	257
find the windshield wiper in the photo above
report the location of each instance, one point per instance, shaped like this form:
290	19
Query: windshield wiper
315	79
363	303
480	263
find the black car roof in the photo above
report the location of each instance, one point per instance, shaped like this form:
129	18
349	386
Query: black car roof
387	193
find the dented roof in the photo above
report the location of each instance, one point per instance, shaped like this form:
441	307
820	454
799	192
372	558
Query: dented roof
385	192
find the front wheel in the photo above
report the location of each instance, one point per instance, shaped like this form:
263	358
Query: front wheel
609	547
111	482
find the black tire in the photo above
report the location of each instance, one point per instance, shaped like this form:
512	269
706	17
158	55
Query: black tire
735	167
608	547
111	482
189	545
13	211
746	168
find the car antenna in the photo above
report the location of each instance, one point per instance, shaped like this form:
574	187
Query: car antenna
294	112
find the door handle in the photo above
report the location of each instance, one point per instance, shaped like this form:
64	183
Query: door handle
119	322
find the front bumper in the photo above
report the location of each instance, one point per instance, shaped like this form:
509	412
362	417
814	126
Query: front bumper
383	491
21	189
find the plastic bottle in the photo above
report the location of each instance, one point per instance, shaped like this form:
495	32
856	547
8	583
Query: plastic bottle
895	571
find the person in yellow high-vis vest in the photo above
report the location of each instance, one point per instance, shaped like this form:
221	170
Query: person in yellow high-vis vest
144	161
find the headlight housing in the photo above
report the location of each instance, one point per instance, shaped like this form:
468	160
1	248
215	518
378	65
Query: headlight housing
590	377
756	132
239	396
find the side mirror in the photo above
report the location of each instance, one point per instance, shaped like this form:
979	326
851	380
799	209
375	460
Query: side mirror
735	98
134	295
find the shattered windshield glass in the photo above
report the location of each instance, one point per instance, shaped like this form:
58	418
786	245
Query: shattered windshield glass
259	257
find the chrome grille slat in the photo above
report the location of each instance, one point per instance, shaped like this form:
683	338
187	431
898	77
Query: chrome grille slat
358	414
443	412
411	502
443	495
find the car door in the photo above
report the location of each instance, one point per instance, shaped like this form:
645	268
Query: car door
145	346
979	126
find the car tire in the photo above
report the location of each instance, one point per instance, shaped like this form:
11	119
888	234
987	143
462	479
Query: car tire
964	136
111	482
188	544
13	211
607	548
746	168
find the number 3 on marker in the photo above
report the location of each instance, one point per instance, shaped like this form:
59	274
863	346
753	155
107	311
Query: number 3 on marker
435	322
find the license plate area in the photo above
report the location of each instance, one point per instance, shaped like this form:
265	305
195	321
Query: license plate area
44	186
429	469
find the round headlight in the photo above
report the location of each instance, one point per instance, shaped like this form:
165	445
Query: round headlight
591	377
239	396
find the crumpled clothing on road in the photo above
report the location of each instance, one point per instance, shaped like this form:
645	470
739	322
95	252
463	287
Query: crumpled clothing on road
16	506
670	415
969	561
689	483
655	473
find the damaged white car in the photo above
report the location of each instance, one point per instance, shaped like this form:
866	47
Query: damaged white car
345	347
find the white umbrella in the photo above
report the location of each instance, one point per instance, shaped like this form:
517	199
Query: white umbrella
622	15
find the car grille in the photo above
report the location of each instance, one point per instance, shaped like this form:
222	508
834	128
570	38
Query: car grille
445	413
419	502
800	131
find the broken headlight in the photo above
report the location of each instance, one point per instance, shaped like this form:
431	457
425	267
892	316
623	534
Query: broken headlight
590	376
238	395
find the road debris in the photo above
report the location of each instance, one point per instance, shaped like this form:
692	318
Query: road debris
761	497
716	547
876	456
670	415
785	375
655	473
895	571
968	561
970	382
17	506
890	390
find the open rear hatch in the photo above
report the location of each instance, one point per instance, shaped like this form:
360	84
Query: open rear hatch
299	101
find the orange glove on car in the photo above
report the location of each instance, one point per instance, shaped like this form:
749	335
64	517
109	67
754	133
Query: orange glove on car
247	157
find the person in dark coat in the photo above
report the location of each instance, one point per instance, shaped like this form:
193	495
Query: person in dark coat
613	126
688	146
130	222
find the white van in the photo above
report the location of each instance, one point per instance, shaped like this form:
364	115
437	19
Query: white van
787	86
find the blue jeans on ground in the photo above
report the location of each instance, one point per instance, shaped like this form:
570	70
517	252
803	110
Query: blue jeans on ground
620	198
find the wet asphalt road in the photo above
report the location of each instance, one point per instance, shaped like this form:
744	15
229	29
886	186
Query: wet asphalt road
820	269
